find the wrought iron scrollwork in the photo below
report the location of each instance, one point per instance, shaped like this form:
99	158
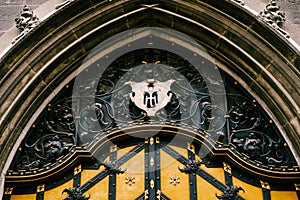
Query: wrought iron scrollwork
46	149
74	194
253	135
244	115
51	144
113	168
209	117
61	117
260	146
191	167
53	137
96	105
230	193
96	117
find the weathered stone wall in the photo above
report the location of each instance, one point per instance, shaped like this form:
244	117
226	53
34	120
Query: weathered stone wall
291	8
10	9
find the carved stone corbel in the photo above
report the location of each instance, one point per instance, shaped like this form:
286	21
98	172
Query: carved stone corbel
274	17
25	22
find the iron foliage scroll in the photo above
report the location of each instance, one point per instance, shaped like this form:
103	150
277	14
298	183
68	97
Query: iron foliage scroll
230	193
52	138
107	103
254	133
191	167
74	194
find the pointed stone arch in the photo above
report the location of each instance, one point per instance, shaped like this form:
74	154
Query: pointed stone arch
259	58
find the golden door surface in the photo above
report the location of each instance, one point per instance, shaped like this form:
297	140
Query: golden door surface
153	170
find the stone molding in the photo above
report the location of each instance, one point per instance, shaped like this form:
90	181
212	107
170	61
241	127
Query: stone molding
261	59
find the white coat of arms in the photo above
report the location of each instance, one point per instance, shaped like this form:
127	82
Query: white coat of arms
151	95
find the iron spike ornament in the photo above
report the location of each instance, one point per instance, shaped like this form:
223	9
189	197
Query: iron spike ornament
230	193
74	194
151	95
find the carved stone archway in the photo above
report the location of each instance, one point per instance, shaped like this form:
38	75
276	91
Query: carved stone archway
259	58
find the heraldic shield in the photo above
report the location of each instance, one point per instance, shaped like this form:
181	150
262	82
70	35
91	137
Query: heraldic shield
151	95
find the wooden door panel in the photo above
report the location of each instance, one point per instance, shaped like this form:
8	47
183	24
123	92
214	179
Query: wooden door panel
99	191
174	184
56	193
205	190
283	195
217	173
23	197
87	174
250	190
179	174
130	184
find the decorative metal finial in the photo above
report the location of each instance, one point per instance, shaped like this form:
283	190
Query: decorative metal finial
191	167
74	194
230	193
113	168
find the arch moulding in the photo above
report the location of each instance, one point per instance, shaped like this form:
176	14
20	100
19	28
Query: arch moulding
260	59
